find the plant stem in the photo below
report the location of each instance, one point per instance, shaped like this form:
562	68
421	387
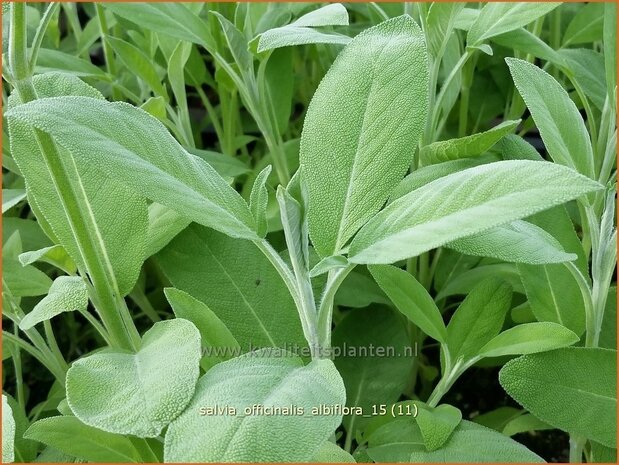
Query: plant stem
40	34
576	447
335	279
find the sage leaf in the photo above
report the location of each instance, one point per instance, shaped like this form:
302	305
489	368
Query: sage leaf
440	23
55	255
12	197
524	423
327	264
555	386
164	224
586	26
437	424
257	379
8	432
141	393
458	205
518	242
556	116
529	338
140	152
69	435
411	299
66	294
258	200
329	452
243	287
587	67
465	147
478	319
351	163
497	18
214	333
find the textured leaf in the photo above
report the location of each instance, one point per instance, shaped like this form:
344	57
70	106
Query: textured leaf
120	232
355	145
164	224
225	165
440	23
54	60
133	147
22	281
411	299
327	264
334	14
587	67
518	242
67	294
11	197
466	147
524	423
478	319
250	380
139	393
586	26
462	204
556	116
574	389
8	432
235	280
330	452
437	424
514	147
55	255
498	18
213	331
71	436
258	201
529	338
610	48
370	378
401	441
525	41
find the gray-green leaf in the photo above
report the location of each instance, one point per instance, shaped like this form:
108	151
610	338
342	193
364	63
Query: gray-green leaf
8	432
437	424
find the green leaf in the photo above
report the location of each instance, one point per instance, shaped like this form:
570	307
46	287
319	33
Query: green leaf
573	389
524	423
11	197
459	205
237	45
225	165
529	338
437	424
556	116
361	129
279	84
334	14
411	299
118	235
466	147
608	332
258	200
478	319
498	18
358	291
602	454
22	281
327	264
131	146
464	282
66	294
141	393
213	331
371	378
71	436
401	441
270	382
518	242
235	280
55	60
55	255
8	432
174	19
330	452
525	41
586	26
514	147
139	64
610	49
440	23
587	67
164	224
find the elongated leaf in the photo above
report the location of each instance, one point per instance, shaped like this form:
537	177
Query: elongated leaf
466	147
401	441
440	23
174	19
610	48
21	281
371	377
258	201
291	35
71	436
327	264
437	424
225	165
529	338
214	333
586	26
119	233
411	299
514	147
358	291
478	319
574	389
11	197
131	146
462	204
465	282
268	382
497	18
334	14
55	255
8	432
518	242
67	293
587	67
361	128
556	116
525	41
55	60
524	423
139	393
235	280
164	224
138	63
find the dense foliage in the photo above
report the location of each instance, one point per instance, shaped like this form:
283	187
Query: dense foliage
371	232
